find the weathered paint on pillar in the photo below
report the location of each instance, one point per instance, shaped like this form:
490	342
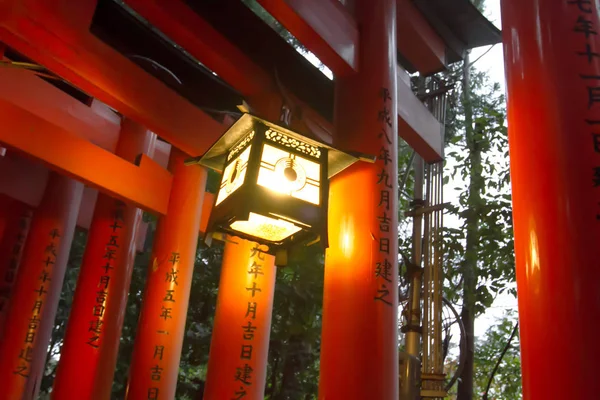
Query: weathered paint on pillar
359	342
552	58
157	349
96	319
237	364
36	292
17	217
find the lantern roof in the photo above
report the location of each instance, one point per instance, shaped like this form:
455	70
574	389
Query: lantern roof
216	155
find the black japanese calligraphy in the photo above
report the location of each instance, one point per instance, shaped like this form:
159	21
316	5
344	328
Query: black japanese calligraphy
93	341
383	177
384	270
244	374
42	290
49	261
585	29
246	353
118	212
44	276
155	373
257	252
113	241
110	254
96	325
166	313
254	289
384	116
251	310
239	394
596	138
115	226
101	296
385	95
34	322
29	336
37	307
169	296
255	269
248	331
26	353
21	370
104	280
593	95
384	155
172	276
51	249
383	295
158	352
588	53
384	245
596	178
98	310
153	393
583	5
107	267
383	133
384	222
384	199
174	258
584	26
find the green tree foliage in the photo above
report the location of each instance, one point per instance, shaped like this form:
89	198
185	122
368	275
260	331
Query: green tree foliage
492	205
506	383
490	356
295	334
479	250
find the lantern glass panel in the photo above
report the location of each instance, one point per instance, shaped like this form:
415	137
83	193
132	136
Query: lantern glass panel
234	175
266	228
289	173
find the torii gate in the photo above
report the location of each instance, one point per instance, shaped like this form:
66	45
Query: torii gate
71	129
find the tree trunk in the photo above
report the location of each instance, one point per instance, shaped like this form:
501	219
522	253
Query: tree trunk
469	267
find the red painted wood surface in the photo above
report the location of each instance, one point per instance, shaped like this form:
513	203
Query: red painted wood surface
56	34
418	42
325	27
36	292
159	337
15	218
25	90
359	341
553	80
146	185
237	365
96	318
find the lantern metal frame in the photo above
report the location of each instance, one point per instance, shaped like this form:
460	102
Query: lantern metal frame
251	197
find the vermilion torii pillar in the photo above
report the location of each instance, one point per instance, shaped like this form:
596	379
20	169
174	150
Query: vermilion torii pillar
237	364
157	349
359	343
552	58
36	292
96	319
16	218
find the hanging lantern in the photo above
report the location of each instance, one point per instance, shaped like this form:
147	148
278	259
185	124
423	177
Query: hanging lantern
275	183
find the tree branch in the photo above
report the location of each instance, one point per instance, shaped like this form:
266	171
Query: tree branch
512	335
